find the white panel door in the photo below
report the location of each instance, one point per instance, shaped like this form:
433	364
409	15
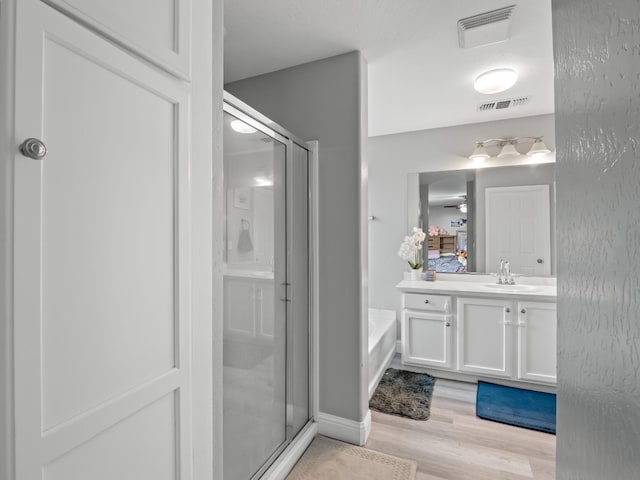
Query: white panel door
537	333
156	29
426	339
485	336
102	321
518	229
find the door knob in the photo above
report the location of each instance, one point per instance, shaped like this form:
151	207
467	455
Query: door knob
33	148
540	260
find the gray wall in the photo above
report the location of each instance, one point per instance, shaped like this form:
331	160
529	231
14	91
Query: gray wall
393	157
597	45
322	101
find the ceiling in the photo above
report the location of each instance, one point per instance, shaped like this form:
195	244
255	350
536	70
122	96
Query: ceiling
419	78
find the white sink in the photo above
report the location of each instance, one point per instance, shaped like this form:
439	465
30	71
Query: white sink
510	288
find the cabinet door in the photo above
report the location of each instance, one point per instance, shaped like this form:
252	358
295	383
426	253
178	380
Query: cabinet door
240	299
158	30
102	299
537	341
426	339
265	309
485	336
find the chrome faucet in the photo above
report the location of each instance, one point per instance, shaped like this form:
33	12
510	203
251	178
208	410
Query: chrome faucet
508	279
504	277
501	273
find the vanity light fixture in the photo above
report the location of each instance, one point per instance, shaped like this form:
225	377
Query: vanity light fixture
479	154
507	148
495	81
538	148
241	127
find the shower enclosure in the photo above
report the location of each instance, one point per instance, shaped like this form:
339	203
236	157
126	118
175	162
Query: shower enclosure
267	342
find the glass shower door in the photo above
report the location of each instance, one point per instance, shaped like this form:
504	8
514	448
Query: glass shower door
255	303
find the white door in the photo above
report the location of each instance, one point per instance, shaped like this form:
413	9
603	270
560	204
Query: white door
518	229
485	336
537	328
102	320
426	339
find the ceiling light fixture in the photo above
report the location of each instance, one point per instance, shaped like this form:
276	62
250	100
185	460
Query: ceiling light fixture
263	181
507	148
241	127
495	81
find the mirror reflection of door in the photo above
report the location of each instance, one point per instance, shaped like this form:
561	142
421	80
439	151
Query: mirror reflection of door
517	225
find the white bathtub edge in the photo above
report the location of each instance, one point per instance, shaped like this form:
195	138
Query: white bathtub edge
373	383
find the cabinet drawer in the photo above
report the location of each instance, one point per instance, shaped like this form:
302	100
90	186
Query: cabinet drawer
421	301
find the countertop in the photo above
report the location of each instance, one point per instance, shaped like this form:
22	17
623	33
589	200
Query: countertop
252	274
532	288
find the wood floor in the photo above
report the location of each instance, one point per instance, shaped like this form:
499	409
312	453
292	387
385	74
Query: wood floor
456	445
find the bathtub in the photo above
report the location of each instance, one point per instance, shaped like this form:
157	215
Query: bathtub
382	344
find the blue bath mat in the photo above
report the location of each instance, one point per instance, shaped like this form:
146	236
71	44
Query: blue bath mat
516	406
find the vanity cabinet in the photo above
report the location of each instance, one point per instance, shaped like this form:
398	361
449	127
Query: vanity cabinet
537	332
485	338
252	319
427	328
493	336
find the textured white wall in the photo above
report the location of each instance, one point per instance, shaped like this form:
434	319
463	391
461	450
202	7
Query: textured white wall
597	54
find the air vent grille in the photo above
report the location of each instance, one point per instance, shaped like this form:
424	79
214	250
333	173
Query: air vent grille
504	103
485	28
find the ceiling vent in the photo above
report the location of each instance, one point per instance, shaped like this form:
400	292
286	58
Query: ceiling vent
485	28
503	104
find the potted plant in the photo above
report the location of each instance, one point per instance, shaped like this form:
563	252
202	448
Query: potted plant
411	251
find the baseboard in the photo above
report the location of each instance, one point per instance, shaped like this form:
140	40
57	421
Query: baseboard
285	463
344	429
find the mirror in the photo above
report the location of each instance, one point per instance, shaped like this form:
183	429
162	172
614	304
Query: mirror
473	218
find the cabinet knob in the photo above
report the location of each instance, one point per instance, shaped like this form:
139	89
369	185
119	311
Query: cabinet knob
426	301
540	260
508	310
523	311
448	324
